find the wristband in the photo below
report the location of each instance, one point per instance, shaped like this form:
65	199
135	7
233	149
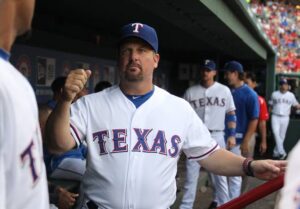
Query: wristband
247	167
231	118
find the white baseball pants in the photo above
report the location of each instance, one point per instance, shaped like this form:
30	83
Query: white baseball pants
235	182
279	128
220	185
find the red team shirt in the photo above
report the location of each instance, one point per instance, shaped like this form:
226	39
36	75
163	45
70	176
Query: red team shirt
263	109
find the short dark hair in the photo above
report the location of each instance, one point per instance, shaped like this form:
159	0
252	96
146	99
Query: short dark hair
241	75
251	75
58	84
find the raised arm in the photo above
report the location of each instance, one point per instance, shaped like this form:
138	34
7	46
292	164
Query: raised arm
58	136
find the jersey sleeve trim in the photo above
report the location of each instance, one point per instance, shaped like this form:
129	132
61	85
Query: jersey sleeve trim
207	153
75	134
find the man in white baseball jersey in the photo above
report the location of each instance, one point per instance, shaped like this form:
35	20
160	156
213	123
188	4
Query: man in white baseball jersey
135	132
290	194
23	182
211	101
281	102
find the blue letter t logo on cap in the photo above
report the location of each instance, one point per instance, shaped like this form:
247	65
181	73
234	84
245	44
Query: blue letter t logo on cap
137	27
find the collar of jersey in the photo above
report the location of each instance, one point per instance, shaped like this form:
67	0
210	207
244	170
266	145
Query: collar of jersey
138	100
4	54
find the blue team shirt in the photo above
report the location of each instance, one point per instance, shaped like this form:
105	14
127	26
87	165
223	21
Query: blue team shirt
247	108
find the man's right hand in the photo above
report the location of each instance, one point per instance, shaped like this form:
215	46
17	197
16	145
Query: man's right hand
75	82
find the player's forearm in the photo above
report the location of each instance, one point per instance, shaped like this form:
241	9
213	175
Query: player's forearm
231	123
250	130
58	136
231	128
262	130
223	162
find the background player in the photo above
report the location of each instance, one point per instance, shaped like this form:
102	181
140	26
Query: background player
211	101
281	102
23	181
135	132
247	112
251	81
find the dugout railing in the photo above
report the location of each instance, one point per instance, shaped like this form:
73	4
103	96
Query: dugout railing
255	194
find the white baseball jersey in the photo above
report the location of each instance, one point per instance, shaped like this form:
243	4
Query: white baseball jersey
133	153
23	182
282	103
290	194
211	104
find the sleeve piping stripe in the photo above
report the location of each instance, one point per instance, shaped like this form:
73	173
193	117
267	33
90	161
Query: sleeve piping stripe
211	150
75	131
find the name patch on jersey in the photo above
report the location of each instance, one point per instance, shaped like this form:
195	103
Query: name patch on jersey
141	142
208	101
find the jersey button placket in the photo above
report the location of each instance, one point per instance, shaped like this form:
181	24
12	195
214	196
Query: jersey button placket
205	102
132	162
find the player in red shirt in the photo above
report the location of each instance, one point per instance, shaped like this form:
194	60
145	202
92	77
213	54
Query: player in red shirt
250	79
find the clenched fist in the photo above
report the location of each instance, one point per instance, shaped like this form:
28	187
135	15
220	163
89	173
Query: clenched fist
75	82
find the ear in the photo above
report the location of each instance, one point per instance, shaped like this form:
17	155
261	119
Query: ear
156	58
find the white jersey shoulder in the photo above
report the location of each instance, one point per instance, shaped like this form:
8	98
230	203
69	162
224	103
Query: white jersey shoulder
211	104
290	194
21	157
142	144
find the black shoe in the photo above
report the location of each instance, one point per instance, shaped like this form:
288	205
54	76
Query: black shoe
213	205
276	157
282	157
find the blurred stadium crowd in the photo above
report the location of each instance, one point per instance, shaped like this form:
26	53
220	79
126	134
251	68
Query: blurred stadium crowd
281	22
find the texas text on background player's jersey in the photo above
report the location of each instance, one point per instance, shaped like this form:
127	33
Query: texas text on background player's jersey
211	104
282	102
23	181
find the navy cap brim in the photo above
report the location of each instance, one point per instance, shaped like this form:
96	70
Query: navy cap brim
127	37
207	68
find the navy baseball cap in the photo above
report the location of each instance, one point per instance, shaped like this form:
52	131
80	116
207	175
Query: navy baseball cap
209	64
283	81
233	66
142	31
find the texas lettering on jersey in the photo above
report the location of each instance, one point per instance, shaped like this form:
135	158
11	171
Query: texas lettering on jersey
119	138
286	101
208	101
31	159
27	154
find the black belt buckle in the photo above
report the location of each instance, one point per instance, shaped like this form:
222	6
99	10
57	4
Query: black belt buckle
91	205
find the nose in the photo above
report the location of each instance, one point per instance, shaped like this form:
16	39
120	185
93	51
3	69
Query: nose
134	55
